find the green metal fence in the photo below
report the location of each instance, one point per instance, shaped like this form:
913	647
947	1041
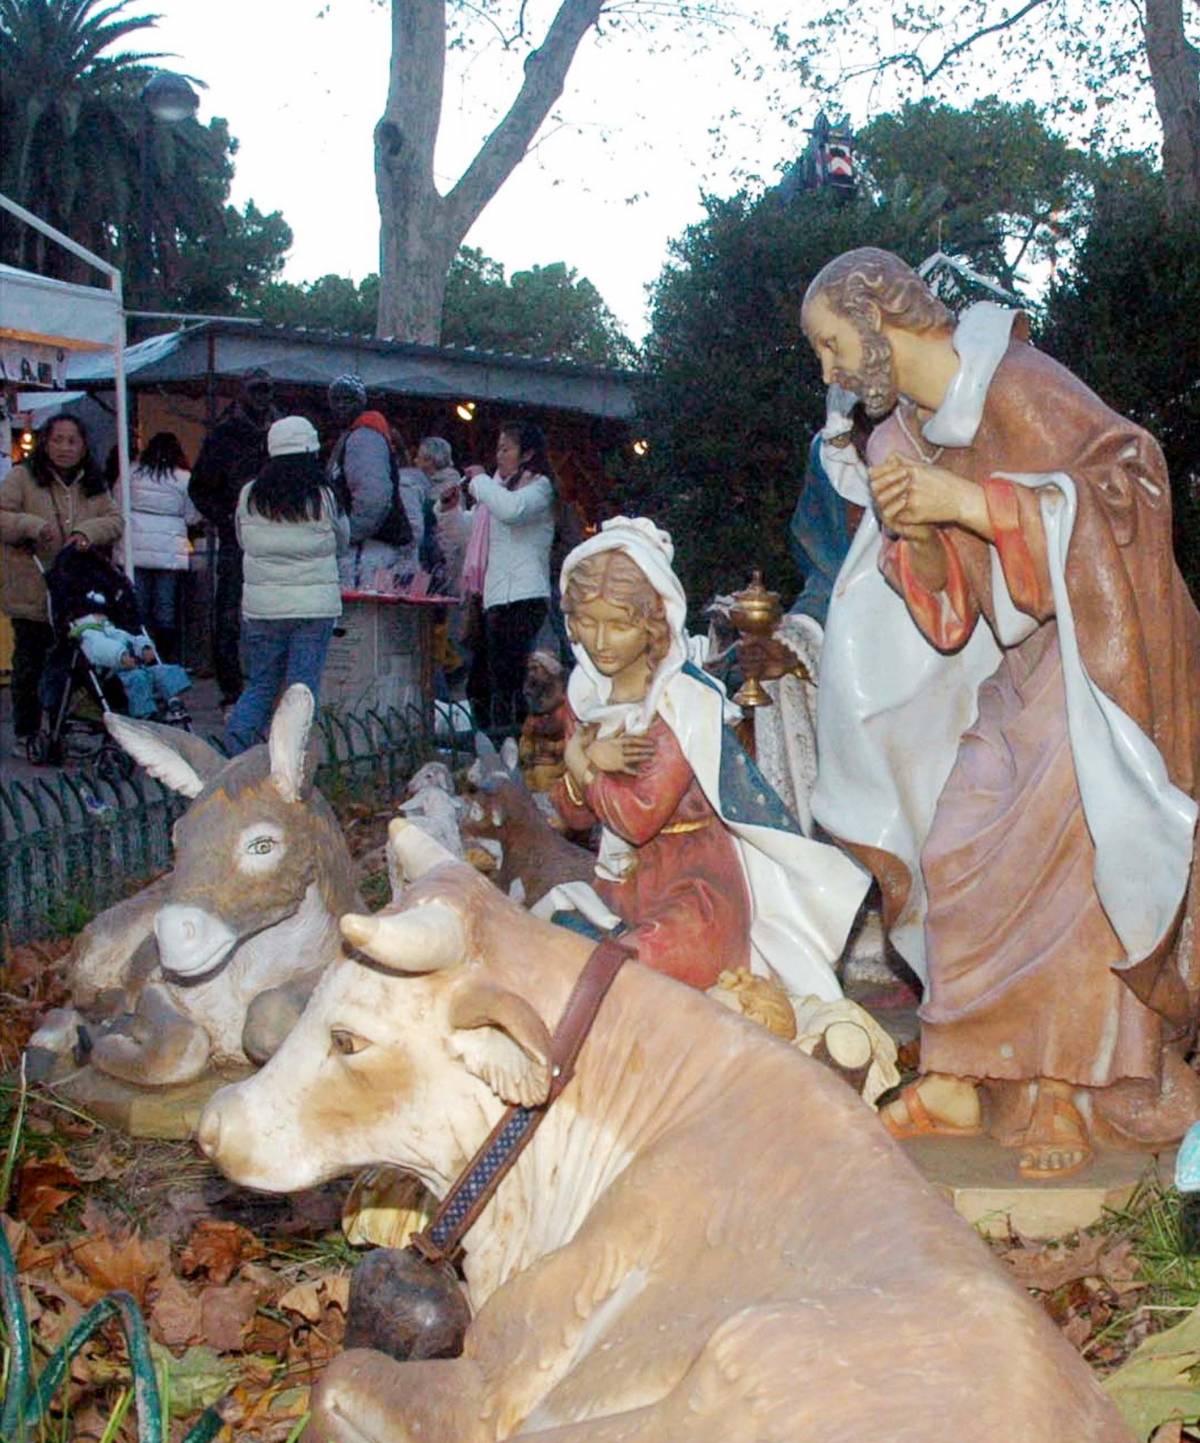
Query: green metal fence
72	843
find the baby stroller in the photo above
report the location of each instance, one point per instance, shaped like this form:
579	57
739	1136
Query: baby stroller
75	695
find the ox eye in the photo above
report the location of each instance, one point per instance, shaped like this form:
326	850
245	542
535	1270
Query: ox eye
260	846
347	1043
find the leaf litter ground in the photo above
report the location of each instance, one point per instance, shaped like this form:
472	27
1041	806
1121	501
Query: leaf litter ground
245	1294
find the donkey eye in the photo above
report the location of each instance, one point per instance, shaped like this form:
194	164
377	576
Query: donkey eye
261	846
347	1043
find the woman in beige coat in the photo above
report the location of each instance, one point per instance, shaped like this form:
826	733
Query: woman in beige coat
57	496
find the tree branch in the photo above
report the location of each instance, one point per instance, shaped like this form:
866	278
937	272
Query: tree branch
911	58
545	74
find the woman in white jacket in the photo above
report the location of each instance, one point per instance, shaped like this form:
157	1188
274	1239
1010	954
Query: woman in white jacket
291	530
161	514
508	561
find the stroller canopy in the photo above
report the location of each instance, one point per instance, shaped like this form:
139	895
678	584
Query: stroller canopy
81	582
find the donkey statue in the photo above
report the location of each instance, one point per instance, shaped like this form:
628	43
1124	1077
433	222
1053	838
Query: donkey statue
213	963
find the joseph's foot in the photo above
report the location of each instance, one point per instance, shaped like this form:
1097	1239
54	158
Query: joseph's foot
1056	1143
934	1106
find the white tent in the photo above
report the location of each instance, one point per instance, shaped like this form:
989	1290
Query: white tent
43	321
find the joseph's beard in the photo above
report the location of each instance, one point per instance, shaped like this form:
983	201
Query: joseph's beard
874	384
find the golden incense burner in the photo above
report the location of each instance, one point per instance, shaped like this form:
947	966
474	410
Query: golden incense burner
756	612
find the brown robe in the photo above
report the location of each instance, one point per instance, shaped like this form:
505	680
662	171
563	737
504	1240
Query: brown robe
1024	967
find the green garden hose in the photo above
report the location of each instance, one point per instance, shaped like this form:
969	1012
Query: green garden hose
27	1399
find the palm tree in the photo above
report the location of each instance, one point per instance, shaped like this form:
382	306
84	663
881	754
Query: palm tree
72	119
69	117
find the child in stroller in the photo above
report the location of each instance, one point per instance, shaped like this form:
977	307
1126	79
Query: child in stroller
94	606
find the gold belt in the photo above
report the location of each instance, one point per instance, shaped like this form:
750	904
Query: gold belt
675	829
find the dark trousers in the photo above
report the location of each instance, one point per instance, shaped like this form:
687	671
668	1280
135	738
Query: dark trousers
227	621
509	634
32	643
158	599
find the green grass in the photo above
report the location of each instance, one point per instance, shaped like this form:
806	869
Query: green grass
1164	1229
376	890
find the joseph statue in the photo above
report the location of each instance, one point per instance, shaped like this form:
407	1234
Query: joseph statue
1009	724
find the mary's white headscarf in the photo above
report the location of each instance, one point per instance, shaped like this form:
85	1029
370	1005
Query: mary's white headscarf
652	551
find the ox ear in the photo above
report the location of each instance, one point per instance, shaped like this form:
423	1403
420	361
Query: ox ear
180	760
502	1041
288	743
511	756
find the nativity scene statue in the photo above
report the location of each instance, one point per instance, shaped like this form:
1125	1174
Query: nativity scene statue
714	879
1009	724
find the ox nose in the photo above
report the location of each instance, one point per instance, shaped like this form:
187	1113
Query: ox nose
191	940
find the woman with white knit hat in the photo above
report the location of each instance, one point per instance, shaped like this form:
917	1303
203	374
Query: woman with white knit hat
291	530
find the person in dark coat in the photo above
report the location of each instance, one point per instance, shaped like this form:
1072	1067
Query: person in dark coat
233	453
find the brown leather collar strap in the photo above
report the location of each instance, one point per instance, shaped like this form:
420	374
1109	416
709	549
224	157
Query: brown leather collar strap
473	1189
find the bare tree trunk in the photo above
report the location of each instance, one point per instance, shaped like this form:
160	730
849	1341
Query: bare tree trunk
1175	75
420	230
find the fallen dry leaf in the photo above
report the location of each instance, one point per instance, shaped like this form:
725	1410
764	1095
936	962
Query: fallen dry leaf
266	1280
44	1185
108	1159
336	1290
1119	1266
303	1299
112	1259
267	1335
1171	1432
1157	1384
226	1312
175	1314
218	1249
1047	1269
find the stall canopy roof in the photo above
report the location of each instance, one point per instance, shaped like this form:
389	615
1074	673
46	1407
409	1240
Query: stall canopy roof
57	313
314	358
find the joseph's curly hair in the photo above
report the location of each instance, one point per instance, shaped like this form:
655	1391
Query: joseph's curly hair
615	577
858	279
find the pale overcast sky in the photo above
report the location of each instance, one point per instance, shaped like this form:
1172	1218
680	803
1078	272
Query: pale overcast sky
302	92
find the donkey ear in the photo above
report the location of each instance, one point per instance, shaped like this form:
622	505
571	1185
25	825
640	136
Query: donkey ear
288	742
502	1041
180	760
511	756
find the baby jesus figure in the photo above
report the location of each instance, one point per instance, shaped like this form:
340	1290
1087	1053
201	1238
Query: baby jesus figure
698	856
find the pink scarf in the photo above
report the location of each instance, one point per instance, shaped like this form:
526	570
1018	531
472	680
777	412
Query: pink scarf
475	559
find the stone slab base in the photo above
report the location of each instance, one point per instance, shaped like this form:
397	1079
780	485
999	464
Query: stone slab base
161	1112
979	1177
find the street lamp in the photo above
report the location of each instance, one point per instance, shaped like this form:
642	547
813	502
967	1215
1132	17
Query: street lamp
169	98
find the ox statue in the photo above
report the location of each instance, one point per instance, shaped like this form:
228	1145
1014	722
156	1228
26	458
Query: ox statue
709	1238
212	964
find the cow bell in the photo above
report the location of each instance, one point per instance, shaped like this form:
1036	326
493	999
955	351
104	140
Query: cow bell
405	1306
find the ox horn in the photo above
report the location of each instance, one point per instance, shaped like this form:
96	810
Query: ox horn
414	850
423	939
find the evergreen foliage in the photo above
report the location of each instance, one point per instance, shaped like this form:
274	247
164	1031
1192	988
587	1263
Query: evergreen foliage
547	311
72	119
1123	318
732	394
